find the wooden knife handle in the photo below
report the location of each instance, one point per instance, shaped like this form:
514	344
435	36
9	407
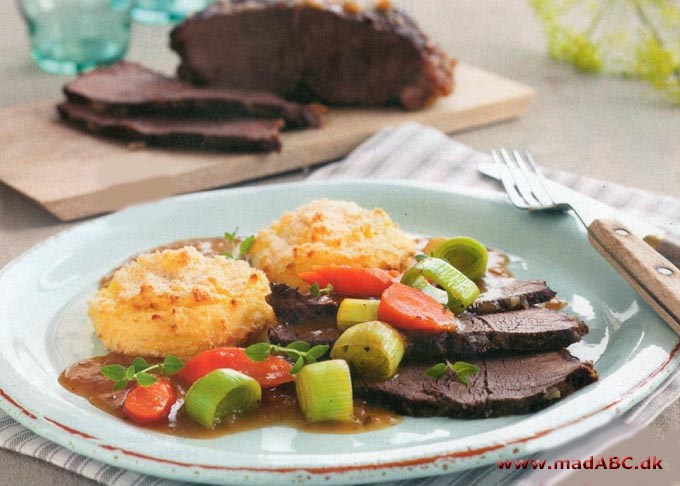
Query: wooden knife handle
668	246
653	276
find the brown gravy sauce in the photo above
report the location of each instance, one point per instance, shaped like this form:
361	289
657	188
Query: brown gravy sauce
555	304
279	406
498	267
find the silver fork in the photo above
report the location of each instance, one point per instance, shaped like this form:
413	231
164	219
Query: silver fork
524	182
654	277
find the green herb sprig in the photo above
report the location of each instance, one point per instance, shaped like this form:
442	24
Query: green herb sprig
299	351
462	370
316	291
141	371
231	237
243	248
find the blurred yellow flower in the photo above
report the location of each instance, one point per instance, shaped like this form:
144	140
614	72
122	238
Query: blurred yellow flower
633	38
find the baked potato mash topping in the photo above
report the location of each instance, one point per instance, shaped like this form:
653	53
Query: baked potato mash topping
180	302
329	232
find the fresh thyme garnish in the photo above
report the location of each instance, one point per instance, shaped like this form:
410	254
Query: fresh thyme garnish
316	291
243	248
231	236
462	370
299	351
141	371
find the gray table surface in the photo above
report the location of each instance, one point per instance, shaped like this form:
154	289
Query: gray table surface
599	126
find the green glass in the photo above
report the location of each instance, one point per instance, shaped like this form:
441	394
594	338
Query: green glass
159	12
70	36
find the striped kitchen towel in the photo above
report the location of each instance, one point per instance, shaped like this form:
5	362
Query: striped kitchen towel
420	153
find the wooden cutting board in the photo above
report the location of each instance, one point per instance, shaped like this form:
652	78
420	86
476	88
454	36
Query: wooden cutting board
72	174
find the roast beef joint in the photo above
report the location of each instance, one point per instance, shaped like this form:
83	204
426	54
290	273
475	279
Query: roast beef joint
319	51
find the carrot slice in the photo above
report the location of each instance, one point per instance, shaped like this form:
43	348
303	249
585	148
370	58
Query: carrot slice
407	308
148	404
351	281
271	372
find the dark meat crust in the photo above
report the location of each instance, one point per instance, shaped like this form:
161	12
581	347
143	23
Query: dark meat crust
229	135
314	50
507	385
127	89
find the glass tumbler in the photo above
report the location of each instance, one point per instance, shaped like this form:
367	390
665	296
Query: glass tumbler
158	12
70	36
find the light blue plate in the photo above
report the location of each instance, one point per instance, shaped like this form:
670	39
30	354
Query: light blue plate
45	328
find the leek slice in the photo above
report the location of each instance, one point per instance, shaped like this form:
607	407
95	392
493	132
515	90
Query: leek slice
324	391
355	311
219	393
466	254
432	244
372	349
461	290
439	295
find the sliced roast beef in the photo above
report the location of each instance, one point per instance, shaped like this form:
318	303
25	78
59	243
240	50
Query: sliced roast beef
129	89
506	385
315	332
527	330
500	294
312	319
290	305
319	50
231	135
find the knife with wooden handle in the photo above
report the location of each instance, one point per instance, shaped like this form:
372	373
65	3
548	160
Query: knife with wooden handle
590	209
668	246
654	277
